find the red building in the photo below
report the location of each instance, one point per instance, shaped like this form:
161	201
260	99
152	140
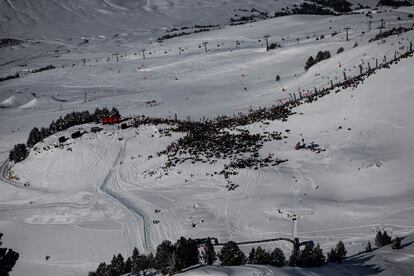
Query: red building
111	120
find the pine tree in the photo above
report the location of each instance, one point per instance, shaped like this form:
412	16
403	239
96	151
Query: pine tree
34	137
163	256
340	50
174	265
137	265
231	255
368	248
252	256
277	258
386	239
18	153
128	265
382	239
209	255
379	239
294	258
318	259
340	252
331	256
262	257
115	112
396	243
117	265
310	256
8	259
186	253
309	63
149	262
101	270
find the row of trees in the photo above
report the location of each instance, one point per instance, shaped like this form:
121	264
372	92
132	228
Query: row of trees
395	3
336	5
173	258
169	259
262	257
20	151
383	239
322	55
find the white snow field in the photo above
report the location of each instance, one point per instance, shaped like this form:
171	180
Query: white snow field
97	195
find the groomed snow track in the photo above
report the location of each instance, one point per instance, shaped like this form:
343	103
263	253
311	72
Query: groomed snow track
124	201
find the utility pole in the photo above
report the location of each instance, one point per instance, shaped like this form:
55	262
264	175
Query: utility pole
117	60
369	25
143	53
84	97
267	41
205	46
347	33
179	50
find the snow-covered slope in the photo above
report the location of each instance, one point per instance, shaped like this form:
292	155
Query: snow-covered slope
98	194
65	19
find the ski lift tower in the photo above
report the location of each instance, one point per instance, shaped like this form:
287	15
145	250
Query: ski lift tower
347	28
116	54
267	41
382	26
205	46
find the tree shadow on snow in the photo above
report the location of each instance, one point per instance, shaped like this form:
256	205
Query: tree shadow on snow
359	265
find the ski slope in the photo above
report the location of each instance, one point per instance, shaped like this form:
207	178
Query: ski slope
98	195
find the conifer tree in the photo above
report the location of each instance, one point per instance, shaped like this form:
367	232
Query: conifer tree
252	256
277	258
396	243
368	248
163	256
186	253
101	270
386	239
209	255
34	137
231	255
128	265
294	258
318	258
262	257
331	256
379	239
18	153
8	259
309	63
340	252
136	259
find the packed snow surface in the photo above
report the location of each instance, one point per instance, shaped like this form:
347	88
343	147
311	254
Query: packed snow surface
98	194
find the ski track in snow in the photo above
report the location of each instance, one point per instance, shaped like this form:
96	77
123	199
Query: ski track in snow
124	201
